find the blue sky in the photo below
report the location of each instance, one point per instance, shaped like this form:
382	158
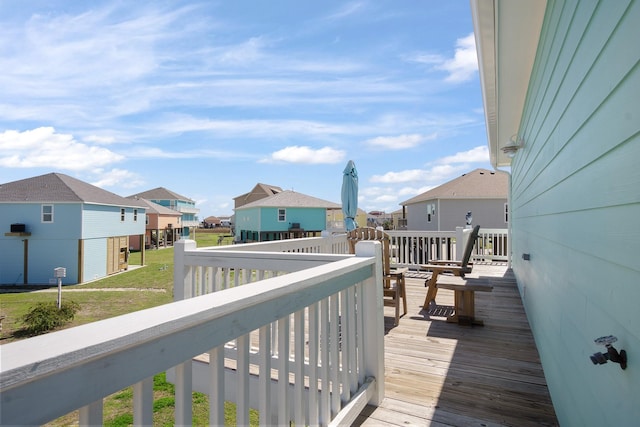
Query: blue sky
209	98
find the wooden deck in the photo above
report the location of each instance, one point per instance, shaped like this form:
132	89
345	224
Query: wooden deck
444	374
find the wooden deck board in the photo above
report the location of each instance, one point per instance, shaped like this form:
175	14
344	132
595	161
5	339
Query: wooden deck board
444	374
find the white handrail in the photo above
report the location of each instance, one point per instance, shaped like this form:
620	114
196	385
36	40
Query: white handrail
78	367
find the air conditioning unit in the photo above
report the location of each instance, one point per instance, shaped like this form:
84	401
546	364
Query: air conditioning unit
18	228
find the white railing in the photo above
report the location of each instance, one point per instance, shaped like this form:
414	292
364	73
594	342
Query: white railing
411	248
319	329
301	298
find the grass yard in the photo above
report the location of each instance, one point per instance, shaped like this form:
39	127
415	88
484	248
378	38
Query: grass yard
137	289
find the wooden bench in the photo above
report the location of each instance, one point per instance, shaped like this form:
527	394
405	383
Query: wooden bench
464	297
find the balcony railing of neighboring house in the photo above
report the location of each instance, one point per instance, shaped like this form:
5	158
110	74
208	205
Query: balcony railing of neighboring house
186	209
314	319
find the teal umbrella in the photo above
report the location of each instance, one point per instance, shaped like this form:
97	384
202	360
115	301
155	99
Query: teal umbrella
350	196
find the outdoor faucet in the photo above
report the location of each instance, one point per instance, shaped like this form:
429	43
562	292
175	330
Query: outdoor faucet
611	354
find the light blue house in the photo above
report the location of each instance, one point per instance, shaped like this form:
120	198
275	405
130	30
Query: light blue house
54	220
561	89
175	201
284	215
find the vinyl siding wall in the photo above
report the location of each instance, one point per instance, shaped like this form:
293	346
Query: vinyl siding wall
576	204
95	259
308	218
50	245
104	221
489	213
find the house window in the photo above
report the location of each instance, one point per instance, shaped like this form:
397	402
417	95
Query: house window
146	219
47	213
122	214
135	215
506	213
282	215
431	211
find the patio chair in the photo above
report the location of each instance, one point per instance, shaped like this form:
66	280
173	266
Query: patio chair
393	278
456	268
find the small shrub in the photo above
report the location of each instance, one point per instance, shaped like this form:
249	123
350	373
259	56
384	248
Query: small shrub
46	316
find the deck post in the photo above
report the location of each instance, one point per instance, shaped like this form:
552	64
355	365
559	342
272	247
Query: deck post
181	273
373	323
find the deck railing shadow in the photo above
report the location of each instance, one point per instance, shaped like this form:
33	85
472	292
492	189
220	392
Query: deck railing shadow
494	373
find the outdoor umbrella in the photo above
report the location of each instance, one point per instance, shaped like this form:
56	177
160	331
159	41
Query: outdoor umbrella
350	196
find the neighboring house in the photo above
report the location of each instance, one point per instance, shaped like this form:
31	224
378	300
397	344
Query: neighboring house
481	192
54	220
398	220
284	215
171	200
226	221
379	219
335	219
562	80
211	222
260	191
163	226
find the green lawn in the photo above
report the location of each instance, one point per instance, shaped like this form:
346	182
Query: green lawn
150	286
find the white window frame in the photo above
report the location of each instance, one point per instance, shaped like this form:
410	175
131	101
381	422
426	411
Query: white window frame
135	215
431	211
43	213
123	214
282	215
506	213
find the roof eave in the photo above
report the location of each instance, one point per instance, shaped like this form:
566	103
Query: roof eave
507	34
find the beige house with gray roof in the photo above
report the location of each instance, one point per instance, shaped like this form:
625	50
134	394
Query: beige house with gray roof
482	192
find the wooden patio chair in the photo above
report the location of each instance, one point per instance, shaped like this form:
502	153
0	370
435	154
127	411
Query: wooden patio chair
456	268
393	278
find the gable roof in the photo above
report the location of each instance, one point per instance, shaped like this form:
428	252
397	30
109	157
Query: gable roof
290	199
57	187
266	189
154	208
477	184
161	193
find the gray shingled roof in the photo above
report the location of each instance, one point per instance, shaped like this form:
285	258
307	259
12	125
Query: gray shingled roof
56	188
477	184
161	193
266	188
290	199
154	208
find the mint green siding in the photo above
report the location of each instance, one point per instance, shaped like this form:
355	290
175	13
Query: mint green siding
250	222
308	218
576	206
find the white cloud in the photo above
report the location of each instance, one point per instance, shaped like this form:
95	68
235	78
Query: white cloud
104	140
441	170
464	63
402	176
399	142
297	154
346	10
244	53
475	155
460	68
43	147
118	177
